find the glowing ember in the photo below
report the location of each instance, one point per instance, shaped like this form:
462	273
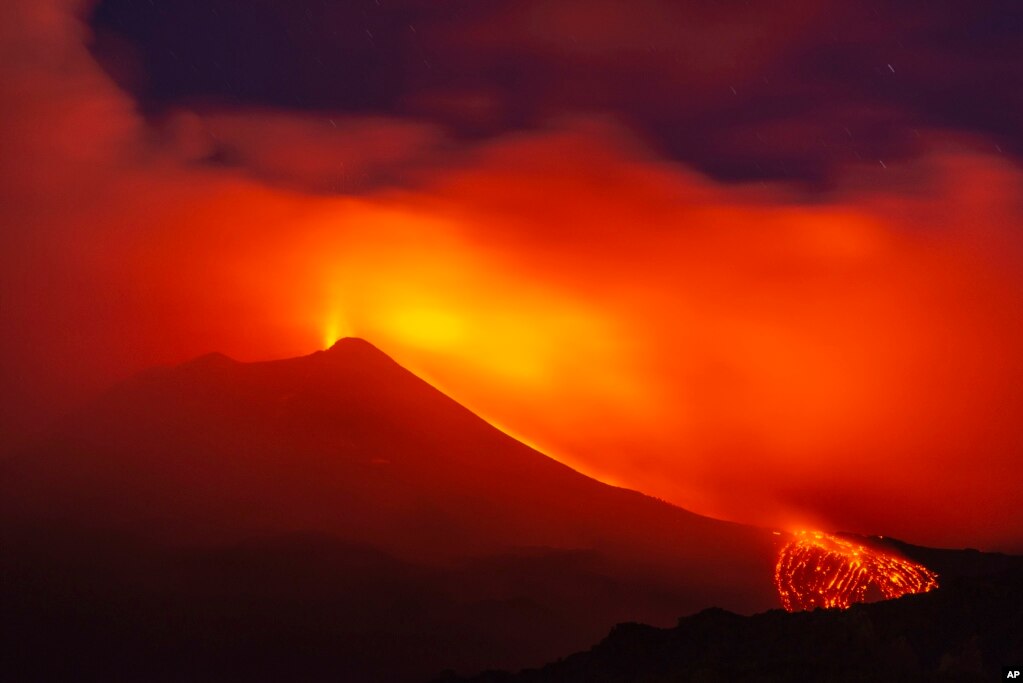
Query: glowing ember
820	570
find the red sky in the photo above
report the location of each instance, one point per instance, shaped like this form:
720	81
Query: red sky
761	351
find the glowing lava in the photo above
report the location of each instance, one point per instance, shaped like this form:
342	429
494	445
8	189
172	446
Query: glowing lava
819	570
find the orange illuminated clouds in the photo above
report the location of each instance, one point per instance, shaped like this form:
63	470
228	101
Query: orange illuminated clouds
847	359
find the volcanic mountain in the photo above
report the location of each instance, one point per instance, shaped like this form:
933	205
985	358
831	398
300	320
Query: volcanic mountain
329	517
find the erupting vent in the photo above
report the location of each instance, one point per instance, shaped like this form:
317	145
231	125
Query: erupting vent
819	570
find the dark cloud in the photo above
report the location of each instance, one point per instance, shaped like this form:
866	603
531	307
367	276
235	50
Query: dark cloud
742	90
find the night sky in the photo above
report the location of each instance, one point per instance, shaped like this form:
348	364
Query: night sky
742	91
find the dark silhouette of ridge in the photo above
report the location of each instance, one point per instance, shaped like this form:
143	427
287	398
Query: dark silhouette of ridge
147	536
307	443
947	562
968	630
333	517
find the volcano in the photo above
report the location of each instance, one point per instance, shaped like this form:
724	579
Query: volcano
330	517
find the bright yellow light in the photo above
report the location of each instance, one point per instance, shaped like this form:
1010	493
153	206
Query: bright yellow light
335	327
434	329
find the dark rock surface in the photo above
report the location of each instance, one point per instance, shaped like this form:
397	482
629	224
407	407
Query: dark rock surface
965	631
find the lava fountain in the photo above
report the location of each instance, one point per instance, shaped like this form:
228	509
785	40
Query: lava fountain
820	570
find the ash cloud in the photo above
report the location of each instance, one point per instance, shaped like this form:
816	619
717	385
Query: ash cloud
764	351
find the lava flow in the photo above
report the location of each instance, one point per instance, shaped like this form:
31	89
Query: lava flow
819	570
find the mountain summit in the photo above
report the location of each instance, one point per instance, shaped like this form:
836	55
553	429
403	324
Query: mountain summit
347	442
354	345
504	556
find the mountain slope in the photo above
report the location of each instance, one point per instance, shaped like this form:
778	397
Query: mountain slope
347	443
965	631
498	543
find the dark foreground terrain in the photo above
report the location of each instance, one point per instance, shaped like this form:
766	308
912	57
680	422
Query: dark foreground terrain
335	518
965	631
328	518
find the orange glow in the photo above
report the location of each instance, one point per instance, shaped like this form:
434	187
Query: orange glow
819	570
724	347
711	360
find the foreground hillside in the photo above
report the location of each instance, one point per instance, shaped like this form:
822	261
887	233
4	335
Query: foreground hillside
965	631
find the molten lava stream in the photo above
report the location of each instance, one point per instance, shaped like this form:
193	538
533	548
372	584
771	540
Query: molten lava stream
819	570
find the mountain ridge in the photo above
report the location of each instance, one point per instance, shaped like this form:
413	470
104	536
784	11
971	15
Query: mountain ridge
327	393
966	630
218	508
